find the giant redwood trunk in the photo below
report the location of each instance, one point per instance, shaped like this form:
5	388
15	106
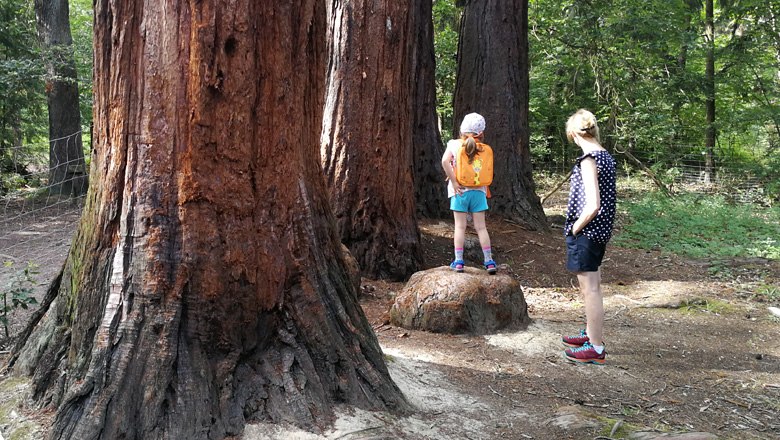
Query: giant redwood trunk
366	148
429	185
66	156
205	287
492	80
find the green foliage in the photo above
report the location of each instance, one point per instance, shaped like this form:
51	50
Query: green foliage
81	25
19	292
446	18
701	227
767	293
22	102
639	65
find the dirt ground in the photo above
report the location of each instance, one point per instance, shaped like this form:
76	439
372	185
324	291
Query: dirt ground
686	351
691	347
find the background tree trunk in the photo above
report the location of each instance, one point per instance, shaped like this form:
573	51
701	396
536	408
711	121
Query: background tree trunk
709	90
493	81
367	133
66	154
205	287
429	179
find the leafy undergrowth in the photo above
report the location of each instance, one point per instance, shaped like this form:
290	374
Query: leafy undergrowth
701	226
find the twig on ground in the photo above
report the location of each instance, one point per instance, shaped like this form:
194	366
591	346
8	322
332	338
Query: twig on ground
617	426
734	402
659	390
496	392
371	428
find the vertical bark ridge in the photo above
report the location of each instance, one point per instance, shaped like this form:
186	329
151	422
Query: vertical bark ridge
492	80
206	288
366	147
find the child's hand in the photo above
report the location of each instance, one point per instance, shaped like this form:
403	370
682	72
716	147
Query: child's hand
458	189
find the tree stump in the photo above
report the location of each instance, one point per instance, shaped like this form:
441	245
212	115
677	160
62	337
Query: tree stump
442	301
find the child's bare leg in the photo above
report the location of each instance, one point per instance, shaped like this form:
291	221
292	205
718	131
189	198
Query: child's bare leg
481	228
460	232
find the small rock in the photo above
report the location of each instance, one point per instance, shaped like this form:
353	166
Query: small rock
774	310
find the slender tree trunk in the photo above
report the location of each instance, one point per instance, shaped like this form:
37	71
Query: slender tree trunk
367	133
429	187
493	81
205	287
66	156
709	91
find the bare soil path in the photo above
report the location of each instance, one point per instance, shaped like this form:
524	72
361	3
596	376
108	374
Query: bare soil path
691	348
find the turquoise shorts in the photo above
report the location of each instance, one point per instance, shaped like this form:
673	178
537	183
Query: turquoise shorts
469	201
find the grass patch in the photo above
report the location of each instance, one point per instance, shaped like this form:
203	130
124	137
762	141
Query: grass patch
707	306
701	226
767	293
615	429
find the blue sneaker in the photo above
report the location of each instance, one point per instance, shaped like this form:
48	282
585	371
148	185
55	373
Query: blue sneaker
490	267
458	265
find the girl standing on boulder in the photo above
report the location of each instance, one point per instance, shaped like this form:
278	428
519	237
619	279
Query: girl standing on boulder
465	200
589	218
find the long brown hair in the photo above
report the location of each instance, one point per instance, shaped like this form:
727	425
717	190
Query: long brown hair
470	143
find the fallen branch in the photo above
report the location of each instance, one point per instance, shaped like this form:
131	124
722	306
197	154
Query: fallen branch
647	171
555	190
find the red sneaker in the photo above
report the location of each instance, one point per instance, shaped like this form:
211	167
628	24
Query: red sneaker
577	340
585	355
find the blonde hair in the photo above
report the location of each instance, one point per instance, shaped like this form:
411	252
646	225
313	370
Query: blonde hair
582	123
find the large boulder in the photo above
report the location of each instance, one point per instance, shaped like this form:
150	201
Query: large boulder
442	301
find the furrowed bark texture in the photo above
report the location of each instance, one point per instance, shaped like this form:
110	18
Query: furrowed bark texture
366	141
430	189
66	156
493	80
205	287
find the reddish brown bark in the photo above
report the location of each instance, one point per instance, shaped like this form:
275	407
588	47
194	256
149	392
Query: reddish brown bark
205	288
493	81
429	185
367	134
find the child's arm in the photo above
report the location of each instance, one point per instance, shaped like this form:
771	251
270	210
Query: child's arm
446	163
590	181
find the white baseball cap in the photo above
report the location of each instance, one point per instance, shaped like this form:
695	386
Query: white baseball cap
472	123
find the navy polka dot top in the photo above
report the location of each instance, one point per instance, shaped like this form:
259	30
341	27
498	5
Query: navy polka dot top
600	228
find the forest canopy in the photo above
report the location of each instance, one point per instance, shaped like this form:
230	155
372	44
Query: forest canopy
639	64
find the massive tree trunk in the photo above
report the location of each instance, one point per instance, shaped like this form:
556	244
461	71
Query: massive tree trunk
66	156
205	287
709	90
429	187
367	133
493	81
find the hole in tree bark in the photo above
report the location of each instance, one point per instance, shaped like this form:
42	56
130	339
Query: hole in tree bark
230	46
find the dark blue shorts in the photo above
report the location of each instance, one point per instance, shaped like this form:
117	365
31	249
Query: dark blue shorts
583	254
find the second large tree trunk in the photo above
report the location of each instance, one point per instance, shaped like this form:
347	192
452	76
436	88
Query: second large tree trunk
429	185
493	81
66	156
367	134
205	288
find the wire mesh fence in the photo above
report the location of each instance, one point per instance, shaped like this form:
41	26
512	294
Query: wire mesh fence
680	168
41	199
